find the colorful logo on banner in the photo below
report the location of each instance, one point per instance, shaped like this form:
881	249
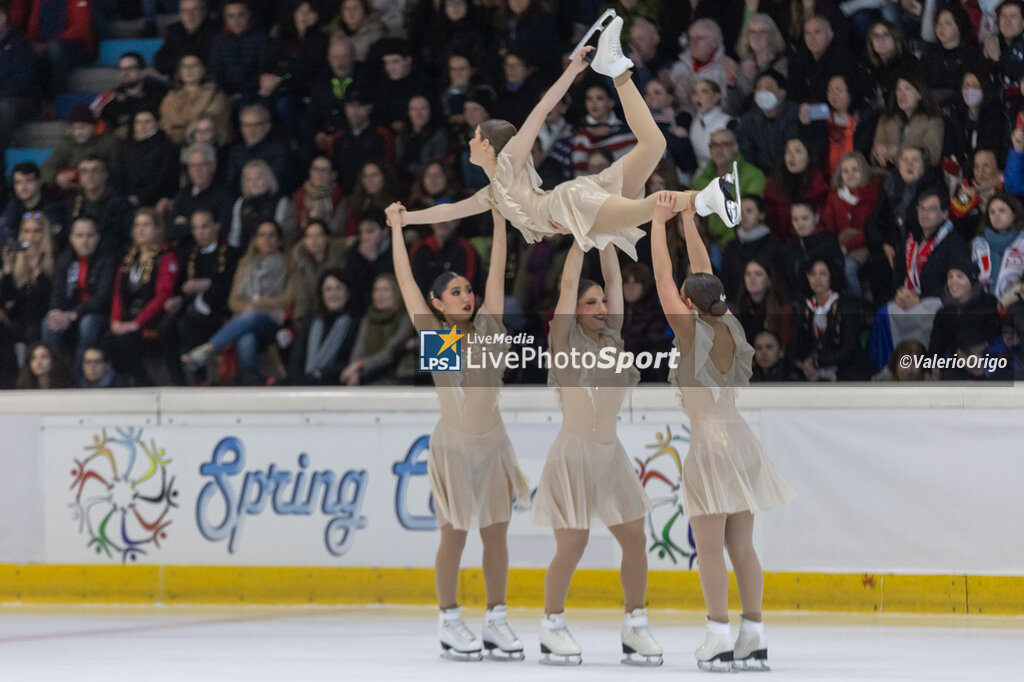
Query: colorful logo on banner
122	494
440	350
661	474
338	496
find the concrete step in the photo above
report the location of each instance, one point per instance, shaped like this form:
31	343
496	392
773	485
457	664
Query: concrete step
93	79
41	134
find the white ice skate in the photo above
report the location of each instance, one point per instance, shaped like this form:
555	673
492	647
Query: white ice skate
637	640
499	640
715	654
608	58
457	642
556	644
722	196
751	650
598	25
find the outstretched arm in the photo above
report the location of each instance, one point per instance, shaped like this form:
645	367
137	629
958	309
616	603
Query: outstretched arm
441	213
671	302
612	286
415	304
494	290
565	309
521	144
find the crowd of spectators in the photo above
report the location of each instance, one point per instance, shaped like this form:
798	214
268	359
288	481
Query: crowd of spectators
218	216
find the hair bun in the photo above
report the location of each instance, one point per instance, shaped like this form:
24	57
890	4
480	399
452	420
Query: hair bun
718	308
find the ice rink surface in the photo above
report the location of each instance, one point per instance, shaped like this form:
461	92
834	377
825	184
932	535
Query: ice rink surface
295	644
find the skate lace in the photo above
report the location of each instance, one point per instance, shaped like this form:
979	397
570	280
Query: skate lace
502	630
562	636
459	629
642	633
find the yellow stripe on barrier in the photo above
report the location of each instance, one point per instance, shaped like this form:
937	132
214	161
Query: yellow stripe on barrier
836	592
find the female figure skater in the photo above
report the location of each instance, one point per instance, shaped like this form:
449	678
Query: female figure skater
587	470
726	476
596	209
471	466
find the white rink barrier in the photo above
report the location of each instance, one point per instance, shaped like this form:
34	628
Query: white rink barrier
889	479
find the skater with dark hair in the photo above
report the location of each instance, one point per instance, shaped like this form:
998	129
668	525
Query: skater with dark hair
471	466
727	477
587	471
597	209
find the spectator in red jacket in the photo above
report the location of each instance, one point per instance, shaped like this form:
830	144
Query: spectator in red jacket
144	282
61	30
846	211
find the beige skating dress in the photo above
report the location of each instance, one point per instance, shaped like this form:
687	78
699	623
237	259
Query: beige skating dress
726	470
587	470
573	204
471	465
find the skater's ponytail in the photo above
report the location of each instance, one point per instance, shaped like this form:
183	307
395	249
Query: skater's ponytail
706	292
497	132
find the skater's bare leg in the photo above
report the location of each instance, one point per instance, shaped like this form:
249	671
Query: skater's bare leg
570	545
619	212
633	570
495	562
446	565
641	160
739	540
709	536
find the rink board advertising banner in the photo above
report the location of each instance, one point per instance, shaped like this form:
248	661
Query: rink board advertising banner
877	490
290	496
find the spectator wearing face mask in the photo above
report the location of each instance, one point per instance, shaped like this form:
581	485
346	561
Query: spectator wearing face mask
763	131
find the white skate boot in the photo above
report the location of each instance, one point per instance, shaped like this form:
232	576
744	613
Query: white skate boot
555	641
715	654
722	196
499	640
598	25
608	58
637	640
457	642
751	650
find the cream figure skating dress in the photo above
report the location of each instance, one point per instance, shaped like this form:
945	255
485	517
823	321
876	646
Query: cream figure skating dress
726	470
573	204
587	470
471	465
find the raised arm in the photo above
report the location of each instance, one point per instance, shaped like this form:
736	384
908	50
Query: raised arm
494	290
521	144
565	309
415	304
681	321
612	286
695	249
440	213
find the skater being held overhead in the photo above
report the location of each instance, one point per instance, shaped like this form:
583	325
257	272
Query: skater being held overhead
726	475
472	469
597	210
587	471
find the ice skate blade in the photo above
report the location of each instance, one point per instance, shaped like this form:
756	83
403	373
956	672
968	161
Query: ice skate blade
496	653
448	653
756	662
598	25
642	660
722	663
559	659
